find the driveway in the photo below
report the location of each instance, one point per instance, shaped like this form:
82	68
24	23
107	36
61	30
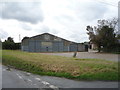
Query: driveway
92	55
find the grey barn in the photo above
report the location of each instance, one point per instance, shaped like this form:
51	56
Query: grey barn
49	43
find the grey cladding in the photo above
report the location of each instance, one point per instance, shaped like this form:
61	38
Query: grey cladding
49	43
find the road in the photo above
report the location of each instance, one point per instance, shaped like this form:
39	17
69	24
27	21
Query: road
0	75
92	55
12	78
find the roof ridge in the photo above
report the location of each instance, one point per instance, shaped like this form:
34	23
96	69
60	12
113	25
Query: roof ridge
52	35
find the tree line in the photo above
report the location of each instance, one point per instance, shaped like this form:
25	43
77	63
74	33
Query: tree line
10	44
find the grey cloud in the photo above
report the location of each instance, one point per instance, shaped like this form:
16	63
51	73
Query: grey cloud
91	11
77	37
65	17
54	31
22	11
46	29
3	34
42	29
83	12
25	26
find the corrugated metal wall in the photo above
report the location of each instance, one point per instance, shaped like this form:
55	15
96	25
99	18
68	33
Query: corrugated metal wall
46	46
40	44
36	46
66	49
25	48
73	47
32	46
55	46
60	46
81	47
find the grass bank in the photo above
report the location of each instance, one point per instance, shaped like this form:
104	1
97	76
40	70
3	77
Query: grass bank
73	68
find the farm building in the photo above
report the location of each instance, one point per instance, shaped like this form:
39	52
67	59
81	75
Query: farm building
49	43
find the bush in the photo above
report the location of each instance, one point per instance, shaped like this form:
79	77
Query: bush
113	48
11	45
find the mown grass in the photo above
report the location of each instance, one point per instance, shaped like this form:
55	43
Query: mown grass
73	68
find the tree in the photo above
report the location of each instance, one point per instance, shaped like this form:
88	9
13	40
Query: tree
118	36
104	34
10	44
0	44
94	37
10	39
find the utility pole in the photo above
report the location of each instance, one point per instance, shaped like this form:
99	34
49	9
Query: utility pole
19	38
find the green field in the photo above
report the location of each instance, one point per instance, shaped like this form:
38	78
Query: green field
73	68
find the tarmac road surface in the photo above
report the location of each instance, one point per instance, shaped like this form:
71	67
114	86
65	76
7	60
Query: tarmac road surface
12	78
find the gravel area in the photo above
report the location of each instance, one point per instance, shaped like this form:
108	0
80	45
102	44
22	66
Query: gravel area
92	55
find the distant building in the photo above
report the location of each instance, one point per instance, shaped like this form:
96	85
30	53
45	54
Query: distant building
49	43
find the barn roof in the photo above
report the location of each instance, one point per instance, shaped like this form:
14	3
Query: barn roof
48	34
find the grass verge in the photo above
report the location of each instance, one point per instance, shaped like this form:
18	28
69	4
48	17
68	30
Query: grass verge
72	68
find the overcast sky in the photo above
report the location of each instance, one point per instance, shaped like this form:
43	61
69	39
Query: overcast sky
64	18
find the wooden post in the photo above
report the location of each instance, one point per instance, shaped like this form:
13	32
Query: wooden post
75	54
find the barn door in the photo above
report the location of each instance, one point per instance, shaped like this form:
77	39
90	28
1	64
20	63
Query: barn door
31	46
55	46
58	47
38	45
73	47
